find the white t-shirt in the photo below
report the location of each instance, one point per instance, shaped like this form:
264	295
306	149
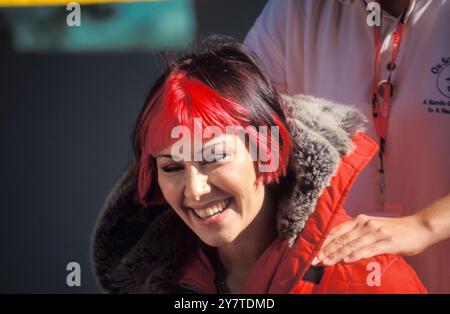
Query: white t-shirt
325	48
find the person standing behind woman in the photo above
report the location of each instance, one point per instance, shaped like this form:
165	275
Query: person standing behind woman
327	49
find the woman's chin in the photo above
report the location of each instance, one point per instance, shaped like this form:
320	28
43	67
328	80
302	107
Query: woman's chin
217	240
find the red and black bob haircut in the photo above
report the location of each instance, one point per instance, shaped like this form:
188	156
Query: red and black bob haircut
219	81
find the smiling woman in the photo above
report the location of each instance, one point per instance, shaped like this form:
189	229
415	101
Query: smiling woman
179	222
223	206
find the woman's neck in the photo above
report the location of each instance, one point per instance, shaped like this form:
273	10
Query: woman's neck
239	256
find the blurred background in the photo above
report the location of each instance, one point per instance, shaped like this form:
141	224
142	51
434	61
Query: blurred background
69	97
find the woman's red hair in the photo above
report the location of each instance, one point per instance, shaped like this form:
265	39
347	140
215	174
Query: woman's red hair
223	88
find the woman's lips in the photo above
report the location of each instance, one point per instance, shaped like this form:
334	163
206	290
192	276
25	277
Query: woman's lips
214	219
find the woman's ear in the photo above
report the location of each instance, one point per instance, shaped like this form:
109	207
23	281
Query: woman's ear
257	168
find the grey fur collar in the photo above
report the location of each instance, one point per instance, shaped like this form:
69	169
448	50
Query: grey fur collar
139	250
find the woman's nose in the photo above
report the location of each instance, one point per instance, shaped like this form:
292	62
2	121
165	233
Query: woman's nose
196	184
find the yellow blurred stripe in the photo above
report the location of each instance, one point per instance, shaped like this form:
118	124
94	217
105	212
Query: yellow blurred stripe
22	3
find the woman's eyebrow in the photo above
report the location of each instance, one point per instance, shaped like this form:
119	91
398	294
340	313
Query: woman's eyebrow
209	145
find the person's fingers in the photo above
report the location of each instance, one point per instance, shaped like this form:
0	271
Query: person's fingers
335	233
339	242
377	248
339	230
358	243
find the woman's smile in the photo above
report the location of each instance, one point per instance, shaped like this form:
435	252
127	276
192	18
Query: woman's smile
211	208
213	213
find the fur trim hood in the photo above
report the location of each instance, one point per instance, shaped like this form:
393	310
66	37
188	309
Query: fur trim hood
140	250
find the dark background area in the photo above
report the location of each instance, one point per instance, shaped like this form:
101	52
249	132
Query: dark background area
65	127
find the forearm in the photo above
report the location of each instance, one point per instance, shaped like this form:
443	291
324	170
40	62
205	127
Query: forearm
436	219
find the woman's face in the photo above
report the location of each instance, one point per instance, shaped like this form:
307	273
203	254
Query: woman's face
216	199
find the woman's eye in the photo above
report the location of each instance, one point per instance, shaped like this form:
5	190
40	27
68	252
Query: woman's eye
218	157
171	168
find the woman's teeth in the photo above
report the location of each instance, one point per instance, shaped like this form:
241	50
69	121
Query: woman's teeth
217	208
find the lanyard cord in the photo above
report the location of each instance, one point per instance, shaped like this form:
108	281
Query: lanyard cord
381	107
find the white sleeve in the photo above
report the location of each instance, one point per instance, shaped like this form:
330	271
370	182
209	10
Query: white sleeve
267	39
